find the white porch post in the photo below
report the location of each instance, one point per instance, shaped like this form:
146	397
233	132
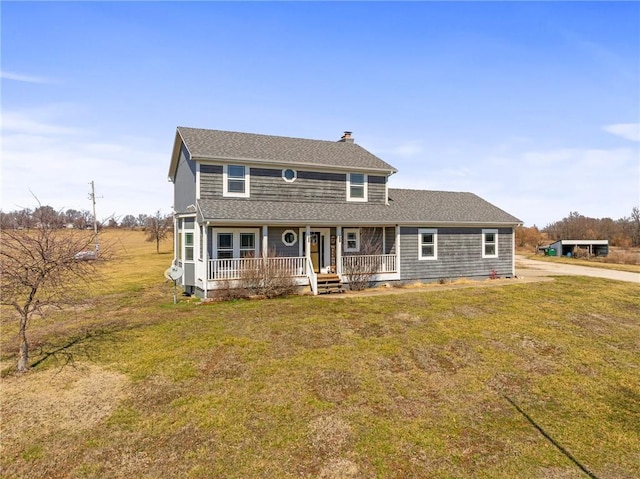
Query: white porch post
398	249
205	257
307	243
265	241
339	250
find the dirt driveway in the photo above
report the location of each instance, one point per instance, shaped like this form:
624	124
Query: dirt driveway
532	268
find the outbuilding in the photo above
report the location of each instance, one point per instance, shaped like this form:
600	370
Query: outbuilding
568	247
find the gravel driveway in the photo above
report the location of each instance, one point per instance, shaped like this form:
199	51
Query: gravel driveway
532	268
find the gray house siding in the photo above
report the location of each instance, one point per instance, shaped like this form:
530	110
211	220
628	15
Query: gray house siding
267	184
281	249
390	240
459	254
377	189
210	181
312	187
184	192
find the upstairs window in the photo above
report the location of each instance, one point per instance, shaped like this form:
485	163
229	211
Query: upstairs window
356	187
427	244
289	175
489	243
235	181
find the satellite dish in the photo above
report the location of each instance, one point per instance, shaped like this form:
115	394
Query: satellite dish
173	273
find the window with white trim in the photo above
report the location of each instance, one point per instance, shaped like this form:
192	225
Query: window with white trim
356	187
351	240
489	243
188	246
247	245
185	239
289	237
289	175
225	246
427	243
235	243
235	180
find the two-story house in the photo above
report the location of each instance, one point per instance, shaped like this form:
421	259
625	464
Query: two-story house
317	207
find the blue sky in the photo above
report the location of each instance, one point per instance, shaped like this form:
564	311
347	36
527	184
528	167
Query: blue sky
533	106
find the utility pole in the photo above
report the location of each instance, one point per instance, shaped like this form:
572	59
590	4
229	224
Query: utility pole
92	197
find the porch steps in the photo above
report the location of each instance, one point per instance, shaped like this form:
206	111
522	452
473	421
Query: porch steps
329	283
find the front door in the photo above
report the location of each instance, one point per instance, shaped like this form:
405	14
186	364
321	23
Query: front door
319	247
315	250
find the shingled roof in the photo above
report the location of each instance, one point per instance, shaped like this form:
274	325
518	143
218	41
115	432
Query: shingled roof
225	145
417	207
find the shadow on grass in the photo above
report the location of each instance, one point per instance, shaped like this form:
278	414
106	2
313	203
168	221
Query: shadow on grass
558	446
84	344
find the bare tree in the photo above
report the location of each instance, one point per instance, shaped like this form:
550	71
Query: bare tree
360	268
42	269
158	228
635	226
129	221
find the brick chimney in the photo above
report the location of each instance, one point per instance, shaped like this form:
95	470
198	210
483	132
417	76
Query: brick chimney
346	138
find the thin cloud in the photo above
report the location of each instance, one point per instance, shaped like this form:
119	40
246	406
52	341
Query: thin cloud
408	149
628	131
34	122
20	77
57	163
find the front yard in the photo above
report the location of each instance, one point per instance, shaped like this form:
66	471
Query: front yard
423	384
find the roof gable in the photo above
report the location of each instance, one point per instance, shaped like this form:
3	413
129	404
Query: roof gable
250	147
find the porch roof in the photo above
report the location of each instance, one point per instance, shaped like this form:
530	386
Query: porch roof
421	207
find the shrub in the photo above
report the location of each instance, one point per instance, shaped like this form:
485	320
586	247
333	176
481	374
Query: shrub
267	278
227	292
360	268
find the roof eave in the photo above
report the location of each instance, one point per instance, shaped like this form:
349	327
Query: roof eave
316	222
175	156
300	164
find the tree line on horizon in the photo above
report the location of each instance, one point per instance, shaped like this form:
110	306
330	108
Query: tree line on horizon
623	232
27	218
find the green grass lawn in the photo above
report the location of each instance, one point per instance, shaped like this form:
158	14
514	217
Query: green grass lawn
414	385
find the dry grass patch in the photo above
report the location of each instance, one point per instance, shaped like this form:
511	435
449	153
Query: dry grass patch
67	400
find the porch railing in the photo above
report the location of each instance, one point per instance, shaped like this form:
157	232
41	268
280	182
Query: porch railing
379	263
233	268
313	277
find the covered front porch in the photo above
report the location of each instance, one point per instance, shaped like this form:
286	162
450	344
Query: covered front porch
300	252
